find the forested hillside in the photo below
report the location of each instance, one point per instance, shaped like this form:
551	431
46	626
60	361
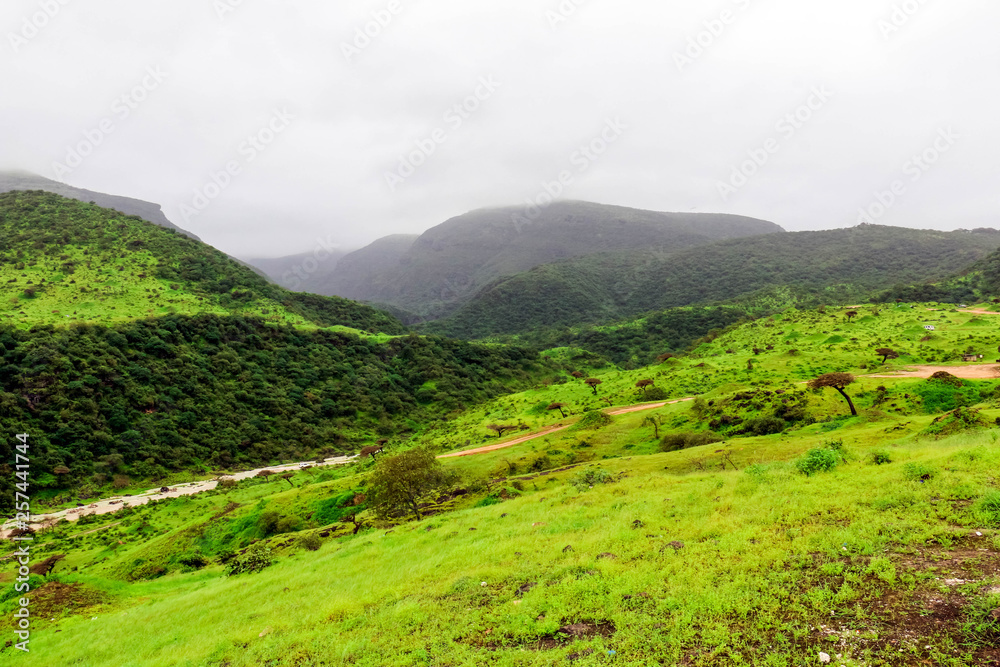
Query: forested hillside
66	261
211	391
844	263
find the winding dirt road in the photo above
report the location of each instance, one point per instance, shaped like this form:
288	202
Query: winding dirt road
109	505
559	427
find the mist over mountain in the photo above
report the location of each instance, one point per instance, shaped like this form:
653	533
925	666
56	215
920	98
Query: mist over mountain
446	265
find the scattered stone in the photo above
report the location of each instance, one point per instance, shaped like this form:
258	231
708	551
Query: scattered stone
266	631
539	523
502	515
568	548
483	584
609	556
824	658
472	529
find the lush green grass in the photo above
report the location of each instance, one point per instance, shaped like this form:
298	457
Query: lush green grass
773	561
768	556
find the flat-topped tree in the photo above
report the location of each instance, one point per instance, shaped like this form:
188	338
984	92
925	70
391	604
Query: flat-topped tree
592	383
371	450
850	315
838	381
560	407
500	429
644	385
886	354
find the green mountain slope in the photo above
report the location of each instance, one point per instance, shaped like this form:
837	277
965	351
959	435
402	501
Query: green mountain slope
23	180
451	262
854	262
65	261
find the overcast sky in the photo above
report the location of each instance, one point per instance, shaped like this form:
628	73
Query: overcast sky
642	103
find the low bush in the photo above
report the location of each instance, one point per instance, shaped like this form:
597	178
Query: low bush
677	441
821	459
987	509
254	559
586	479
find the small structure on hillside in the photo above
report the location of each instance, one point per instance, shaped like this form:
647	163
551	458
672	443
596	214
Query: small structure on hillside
929	327
971	357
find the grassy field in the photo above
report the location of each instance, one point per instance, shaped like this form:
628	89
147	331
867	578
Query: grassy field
874	539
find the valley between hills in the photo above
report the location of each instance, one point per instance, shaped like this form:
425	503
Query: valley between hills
675	440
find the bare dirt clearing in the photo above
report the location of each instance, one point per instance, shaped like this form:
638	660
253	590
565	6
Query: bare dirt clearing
969	372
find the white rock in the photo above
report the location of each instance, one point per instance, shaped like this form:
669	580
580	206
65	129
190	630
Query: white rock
824	658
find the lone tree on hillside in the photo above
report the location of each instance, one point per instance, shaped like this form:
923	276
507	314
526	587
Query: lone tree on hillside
560	407
398	483
592	383
850	315
577	374
500	429
266	474
887	353
838	381
371	451
644	385
654	421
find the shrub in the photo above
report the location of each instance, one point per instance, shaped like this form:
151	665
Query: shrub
492	499
193	560
310	541
656	394
763	426
268	522
592	420
987	509
918	472
590	477
254	559
817	460
677	441
880	457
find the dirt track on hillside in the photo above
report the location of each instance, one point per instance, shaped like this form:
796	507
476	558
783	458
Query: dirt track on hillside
557	428
109	505
970	372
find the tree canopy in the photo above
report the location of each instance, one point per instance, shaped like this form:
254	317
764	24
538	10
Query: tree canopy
398	483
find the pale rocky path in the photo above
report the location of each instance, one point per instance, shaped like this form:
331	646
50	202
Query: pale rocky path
968	372
109	505
557	428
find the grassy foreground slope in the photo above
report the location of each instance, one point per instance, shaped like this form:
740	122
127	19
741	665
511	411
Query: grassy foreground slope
592	546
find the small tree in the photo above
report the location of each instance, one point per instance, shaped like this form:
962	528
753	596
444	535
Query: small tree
288	477
577	374
500	429
371	451
886	354
644	385
266	474
850	315
561	407
399	482
592	383
655	422
838	381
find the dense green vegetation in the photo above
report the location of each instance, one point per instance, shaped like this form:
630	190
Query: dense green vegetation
184	392
836	266
741	515
64	261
